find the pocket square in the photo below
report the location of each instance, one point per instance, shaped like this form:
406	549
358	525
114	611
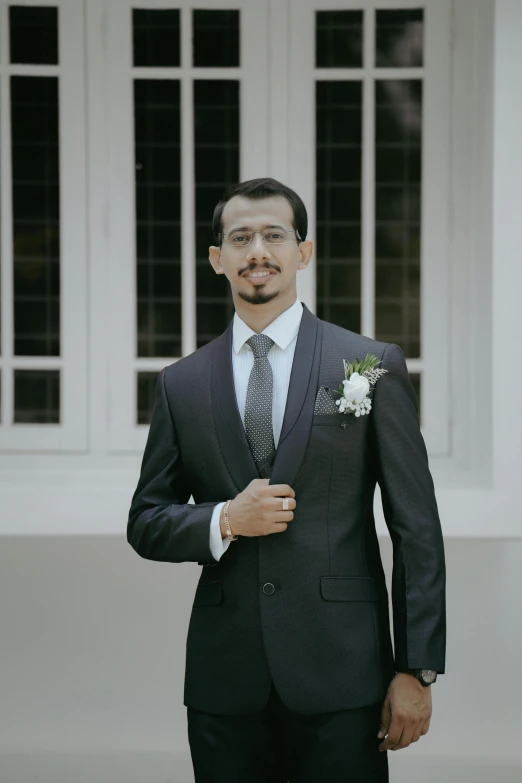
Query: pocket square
325	402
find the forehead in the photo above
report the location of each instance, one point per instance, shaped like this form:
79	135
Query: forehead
255	213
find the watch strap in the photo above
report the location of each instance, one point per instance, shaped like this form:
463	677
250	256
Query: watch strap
424	676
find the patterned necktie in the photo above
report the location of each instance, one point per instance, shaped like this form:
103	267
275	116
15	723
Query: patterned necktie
258	405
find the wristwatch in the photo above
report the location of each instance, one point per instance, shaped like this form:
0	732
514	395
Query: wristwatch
425	676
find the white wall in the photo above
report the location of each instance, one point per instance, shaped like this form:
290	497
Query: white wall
93	651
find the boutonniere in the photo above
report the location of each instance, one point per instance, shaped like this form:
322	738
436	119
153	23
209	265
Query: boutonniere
360	375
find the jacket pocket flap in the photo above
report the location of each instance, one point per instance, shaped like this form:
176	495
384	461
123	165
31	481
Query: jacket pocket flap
350	588
208	593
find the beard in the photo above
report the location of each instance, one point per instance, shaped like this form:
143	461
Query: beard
258	297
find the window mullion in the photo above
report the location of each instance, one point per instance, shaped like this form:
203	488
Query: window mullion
6	235
188	217
368	181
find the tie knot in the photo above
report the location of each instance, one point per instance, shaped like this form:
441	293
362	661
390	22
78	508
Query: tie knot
260	344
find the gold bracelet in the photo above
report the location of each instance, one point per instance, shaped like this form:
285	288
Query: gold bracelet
227	526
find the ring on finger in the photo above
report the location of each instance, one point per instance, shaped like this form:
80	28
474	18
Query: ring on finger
285	504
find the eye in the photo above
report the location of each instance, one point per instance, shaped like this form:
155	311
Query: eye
239	239
274	235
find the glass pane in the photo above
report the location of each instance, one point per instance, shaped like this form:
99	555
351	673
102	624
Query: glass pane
146	392
37	396
33	34
1	231
399	38
216	38
415	378
36	228
158	216
338	199
156	37
216	128
338	39
398	127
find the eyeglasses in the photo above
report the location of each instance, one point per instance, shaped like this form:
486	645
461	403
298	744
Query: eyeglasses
271	236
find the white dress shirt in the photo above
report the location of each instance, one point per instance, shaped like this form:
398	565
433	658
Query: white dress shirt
283	331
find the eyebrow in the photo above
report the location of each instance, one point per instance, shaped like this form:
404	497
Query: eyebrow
249	228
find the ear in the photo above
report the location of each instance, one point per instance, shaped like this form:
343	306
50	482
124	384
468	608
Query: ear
306	250
214	256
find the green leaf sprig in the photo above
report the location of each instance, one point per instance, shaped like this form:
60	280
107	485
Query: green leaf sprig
361	366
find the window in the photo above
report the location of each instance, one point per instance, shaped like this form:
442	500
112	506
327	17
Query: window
372	109
42	225
184	94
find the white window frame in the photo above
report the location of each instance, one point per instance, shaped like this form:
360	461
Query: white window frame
435	178
71	433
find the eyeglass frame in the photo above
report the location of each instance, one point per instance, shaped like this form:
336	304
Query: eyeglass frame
293	230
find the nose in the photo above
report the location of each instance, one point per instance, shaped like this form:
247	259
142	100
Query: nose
258	247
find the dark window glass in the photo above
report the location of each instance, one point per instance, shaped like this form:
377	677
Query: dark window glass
216	38
36	236
338	200
33	34
216	128
146	393
398	127
37	396
156	37
1	231
338	39
415	378
158	216
399	38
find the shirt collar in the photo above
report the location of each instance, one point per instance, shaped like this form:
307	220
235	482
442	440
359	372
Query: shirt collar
281	330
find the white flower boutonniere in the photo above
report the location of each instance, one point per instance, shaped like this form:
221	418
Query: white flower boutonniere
360	375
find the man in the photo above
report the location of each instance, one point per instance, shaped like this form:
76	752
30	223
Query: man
290	672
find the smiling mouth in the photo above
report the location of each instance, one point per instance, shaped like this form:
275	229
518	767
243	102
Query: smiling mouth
259	277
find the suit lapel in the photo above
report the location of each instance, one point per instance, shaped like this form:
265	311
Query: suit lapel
299	410
229	427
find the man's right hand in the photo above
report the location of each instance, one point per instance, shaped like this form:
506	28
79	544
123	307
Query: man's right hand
257	511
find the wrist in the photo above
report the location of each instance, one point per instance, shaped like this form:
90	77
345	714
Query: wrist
225	512
222	523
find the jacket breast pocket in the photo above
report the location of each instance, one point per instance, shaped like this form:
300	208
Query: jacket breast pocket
350	588
334	419
209	593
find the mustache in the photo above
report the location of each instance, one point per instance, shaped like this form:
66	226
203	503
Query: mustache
253	265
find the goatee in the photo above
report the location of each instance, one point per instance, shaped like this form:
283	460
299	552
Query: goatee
259	297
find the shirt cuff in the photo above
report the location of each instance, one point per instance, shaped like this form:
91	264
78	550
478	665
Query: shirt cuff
218	545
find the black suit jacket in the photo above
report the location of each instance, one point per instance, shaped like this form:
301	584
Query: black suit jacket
323	634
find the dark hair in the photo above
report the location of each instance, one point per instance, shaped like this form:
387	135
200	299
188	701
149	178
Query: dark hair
258	189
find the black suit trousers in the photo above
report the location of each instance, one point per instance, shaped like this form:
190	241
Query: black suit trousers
277	745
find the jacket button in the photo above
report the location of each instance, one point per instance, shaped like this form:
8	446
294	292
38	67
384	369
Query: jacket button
268	588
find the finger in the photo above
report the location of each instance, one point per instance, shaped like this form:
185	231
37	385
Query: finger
405	739
277	503
281	490
417	734
385	719
426	726
278	527
393	738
